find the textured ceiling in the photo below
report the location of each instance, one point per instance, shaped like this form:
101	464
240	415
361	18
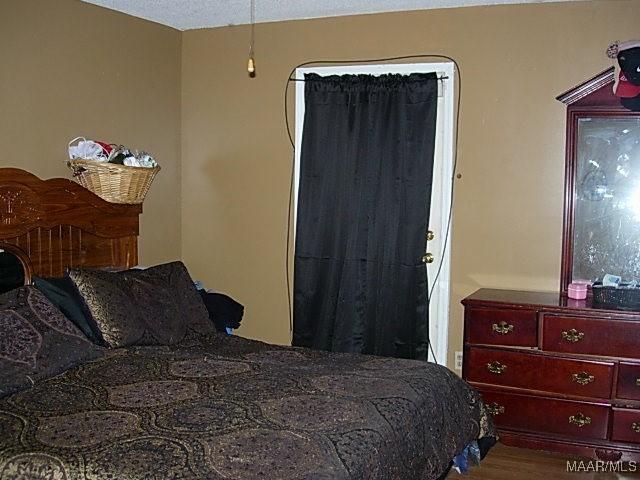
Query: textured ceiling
190	14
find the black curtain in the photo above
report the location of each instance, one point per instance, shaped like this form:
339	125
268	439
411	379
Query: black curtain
363	209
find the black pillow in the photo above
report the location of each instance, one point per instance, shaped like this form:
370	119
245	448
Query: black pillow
65	296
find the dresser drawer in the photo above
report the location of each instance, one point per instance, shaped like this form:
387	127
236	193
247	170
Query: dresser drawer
537	414
591	336
540	372
628	381
502	327
626	425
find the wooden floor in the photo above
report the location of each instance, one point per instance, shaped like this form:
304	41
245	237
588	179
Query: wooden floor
509	463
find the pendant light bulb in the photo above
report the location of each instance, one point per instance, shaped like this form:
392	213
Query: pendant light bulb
251	63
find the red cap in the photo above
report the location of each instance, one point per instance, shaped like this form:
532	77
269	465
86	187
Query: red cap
106	147
625	89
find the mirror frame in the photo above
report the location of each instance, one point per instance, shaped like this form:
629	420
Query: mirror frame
593	98
22	256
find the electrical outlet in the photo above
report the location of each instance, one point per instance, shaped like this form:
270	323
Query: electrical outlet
458	360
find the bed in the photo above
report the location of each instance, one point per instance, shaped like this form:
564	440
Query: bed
208	406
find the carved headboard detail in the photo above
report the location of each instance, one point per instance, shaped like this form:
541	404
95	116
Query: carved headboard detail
55	224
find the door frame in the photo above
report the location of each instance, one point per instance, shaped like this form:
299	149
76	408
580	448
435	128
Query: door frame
439	302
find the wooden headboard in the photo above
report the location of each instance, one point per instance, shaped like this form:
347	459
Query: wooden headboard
55	224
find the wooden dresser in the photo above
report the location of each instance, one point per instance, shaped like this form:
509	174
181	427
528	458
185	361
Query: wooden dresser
556	374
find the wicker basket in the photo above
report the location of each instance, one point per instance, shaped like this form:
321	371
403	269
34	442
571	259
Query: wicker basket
112	182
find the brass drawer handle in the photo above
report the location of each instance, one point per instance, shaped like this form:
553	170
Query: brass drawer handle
496	367
635	426
579	420
583	378
495	409
573	335
637	382
502	328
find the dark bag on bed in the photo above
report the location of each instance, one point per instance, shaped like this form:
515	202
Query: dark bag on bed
223	310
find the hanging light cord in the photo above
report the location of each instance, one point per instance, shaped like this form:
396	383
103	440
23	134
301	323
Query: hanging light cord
253	25
290	79
251	64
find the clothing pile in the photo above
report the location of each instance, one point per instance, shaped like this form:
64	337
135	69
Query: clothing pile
83	149
225	313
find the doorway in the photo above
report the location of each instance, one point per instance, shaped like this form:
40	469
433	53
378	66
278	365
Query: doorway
438	271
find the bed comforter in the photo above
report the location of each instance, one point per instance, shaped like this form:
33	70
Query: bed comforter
218	407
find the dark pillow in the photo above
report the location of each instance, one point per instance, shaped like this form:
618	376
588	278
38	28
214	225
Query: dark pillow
11	272
37	341
156	306
65	296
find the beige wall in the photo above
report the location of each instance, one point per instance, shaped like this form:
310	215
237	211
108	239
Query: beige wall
149	86
508	204
68	68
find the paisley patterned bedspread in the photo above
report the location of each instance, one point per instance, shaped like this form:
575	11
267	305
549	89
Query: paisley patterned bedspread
217	407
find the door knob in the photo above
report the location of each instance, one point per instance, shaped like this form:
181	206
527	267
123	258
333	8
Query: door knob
427	258
430	235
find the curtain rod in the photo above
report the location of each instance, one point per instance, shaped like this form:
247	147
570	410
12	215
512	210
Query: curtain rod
442	78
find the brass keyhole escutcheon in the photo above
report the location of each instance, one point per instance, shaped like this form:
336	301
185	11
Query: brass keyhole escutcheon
427	258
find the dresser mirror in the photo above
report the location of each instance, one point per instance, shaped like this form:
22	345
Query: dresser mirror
602	185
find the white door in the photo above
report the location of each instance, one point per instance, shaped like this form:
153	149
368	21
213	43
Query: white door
438	271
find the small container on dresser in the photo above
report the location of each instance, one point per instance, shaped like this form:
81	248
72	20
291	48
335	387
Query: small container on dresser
556	375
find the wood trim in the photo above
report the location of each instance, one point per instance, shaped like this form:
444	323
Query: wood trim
587	88
56	224
533	394
26	203
607	451
558	306
566	262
